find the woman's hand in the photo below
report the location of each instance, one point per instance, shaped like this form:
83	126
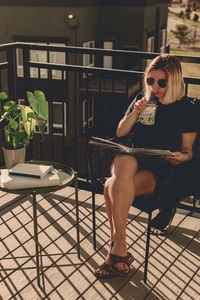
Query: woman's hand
186	153
127	122
178	157
140	106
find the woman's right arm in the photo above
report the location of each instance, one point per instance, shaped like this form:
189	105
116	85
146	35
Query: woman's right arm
127	122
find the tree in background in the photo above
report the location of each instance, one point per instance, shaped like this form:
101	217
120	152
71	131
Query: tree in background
181	33
181	14
194	6
196	18
188	12
194	37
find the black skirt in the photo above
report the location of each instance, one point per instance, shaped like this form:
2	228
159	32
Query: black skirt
173	183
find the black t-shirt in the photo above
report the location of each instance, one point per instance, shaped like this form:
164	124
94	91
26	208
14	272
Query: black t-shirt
170	122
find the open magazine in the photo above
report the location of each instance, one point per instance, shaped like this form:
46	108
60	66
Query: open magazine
124	149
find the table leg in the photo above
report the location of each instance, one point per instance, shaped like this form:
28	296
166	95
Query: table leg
77	212
36	236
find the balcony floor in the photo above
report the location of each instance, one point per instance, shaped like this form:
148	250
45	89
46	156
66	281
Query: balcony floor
173	265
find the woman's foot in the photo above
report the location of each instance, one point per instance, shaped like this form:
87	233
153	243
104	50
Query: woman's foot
104	271
110	267
161	222
114	265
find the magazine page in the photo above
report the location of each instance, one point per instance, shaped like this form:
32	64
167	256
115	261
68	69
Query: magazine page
147	151
109	144
124	149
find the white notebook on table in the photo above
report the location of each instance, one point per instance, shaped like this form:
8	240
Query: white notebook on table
31	170
23	182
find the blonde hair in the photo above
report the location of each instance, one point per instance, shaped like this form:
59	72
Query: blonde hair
169	64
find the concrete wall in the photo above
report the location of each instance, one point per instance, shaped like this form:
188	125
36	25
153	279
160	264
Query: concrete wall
47	21
125	24
33	21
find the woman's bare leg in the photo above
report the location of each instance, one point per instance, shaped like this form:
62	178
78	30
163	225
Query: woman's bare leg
125	183
119	193
120	189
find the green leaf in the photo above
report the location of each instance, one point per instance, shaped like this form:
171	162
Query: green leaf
7	137
17	113
41	125
3	96
13	124
31	115
20	135
18	139
28	119
10	106
38	103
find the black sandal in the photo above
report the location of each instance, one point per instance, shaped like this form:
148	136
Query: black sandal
162	221
109	270
104	271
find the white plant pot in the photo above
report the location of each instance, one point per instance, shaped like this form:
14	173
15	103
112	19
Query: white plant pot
13	157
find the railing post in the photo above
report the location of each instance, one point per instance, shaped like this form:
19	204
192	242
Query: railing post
11	58
26	70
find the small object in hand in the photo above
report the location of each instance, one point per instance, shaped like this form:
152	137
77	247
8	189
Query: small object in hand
148	116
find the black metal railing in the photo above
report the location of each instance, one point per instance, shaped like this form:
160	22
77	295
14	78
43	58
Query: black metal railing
81	98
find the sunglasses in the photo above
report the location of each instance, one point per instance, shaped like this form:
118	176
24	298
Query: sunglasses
161	82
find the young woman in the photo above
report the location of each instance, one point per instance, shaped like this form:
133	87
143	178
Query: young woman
174	129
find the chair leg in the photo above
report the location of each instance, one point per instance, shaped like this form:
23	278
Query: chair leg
92	178
194	200
93	220
147	247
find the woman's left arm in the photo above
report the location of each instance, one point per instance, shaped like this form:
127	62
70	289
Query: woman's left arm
186	153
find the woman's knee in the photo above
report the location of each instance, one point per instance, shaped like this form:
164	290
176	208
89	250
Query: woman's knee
125	164
107	182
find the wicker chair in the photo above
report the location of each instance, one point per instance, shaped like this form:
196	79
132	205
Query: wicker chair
99	162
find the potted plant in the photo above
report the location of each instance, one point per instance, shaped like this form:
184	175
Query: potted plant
18	122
